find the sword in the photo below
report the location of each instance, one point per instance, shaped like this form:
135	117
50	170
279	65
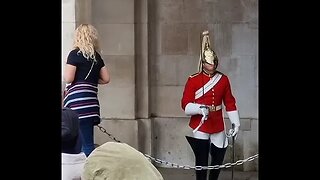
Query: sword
233	153
204	117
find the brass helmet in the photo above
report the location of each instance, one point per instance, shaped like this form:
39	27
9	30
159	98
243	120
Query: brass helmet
207	55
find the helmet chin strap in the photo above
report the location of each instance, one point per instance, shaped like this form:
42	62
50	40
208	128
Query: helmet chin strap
207	72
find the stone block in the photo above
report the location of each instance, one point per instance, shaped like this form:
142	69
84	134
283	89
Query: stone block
116	39
113	11
116	127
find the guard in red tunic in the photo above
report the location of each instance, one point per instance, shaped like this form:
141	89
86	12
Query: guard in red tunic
205	95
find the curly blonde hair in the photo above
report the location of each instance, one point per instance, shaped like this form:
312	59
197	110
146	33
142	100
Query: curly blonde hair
86	39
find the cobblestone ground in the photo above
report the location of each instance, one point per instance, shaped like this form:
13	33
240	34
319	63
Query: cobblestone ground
182	174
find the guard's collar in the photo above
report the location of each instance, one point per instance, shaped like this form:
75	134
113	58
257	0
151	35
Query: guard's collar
208	74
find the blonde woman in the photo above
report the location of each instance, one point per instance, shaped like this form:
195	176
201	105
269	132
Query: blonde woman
84	70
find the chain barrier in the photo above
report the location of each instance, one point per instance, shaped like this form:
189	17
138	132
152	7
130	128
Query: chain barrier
227	165
105	131
174	165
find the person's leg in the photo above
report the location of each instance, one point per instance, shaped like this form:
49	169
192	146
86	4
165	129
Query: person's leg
86	129
217	156
200	145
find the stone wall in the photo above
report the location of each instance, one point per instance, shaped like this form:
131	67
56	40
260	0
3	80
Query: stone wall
150	48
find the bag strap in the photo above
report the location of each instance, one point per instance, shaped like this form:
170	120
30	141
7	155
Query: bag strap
89	70
66	87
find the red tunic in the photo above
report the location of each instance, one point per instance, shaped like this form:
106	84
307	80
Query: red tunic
221	92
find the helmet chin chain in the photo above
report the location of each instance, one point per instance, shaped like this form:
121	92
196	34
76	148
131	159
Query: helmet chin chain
214	70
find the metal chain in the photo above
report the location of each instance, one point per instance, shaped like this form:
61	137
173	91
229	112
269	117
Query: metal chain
227	165
105	131
174	165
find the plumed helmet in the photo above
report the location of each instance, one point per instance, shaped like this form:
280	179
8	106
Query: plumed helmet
207	55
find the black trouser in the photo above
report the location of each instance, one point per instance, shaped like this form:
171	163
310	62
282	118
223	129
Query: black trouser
200	149
217	156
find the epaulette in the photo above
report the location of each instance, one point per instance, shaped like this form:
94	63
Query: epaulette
195	74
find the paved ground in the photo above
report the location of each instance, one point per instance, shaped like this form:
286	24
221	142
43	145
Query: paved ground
182	174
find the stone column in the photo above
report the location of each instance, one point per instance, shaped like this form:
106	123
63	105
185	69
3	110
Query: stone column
68	27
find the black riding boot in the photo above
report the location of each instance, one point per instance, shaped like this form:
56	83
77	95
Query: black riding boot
217	156
200	149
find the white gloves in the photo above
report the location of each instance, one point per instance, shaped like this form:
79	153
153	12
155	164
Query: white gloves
234	119
194	108
234	131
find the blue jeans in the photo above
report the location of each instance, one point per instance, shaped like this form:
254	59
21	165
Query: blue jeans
86	128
